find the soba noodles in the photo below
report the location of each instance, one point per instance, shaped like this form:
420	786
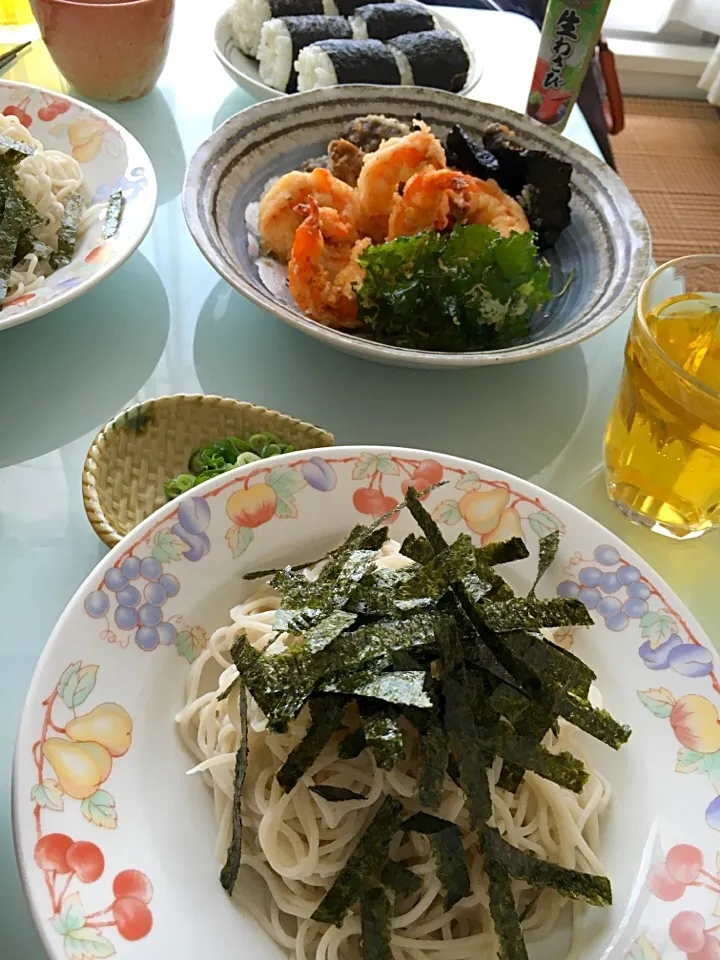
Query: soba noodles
47	179
295	844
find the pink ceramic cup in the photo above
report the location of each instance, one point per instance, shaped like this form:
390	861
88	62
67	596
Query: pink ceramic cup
107	49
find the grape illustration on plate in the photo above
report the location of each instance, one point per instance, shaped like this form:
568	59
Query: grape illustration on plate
138	605
618	622
609	607
115	579
170	583
609	583
150	569
97	604
606	556
129	597
155	593
147	638
568	588
590	576
627	574
126	617
635	607
590	596
617	592
149	615
130	567
167	633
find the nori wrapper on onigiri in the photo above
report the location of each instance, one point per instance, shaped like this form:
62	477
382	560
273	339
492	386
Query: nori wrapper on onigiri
437	58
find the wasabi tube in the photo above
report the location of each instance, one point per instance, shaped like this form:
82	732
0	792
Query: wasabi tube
569	35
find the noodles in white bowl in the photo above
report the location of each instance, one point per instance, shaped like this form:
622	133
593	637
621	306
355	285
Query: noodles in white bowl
47	179
296	843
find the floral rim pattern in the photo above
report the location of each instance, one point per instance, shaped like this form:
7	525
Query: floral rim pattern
137	600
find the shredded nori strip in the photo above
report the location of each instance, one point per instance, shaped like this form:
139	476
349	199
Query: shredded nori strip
589	887
10	227
550	664
279	684
383	637
375	925
113	214
459	719
384	738
322	634
511	944
27	243
449	566
598	723
336	794
368	856
417	548
352	745
67	234
510	703
548	551
402	880
447	845
13	151
532	614
224	694
229	873
404	687
326	715
562	768
504	551
434	753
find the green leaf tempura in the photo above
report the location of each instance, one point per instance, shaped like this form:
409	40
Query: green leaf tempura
470	289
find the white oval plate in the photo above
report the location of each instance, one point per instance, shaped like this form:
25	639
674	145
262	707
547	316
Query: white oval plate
147	816
244	70
111	159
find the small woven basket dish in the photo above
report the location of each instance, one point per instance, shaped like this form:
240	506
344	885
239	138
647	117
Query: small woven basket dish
142	447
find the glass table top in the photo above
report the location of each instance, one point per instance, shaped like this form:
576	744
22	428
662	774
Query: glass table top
166	323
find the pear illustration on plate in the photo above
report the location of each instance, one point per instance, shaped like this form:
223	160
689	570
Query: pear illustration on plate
107	724
481	509
79	767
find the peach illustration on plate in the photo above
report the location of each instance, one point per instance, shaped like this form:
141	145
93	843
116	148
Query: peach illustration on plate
253	506
79	767
108	724
481	509
696	723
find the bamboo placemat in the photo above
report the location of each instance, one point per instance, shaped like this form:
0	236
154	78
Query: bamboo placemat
669	157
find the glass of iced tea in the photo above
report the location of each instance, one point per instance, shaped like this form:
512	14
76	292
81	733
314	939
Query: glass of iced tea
662	445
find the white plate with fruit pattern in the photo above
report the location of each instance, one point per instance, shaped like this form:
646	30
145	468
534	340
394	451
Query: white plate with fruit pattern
116	845
110	159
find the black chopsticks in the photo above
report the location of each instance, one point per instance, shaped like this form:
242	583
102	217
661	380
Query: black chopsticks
7	58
